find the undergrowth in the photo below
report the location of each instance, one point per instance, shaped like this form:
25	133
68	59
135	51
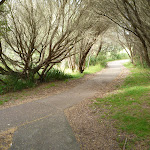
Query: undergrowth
14	83
55	74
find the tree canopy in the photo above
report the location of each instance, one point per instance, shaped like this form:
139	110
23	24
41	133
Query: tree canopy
37	34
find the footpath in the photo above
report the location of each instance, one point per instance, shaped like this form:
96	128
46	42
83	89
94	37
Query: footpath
42	125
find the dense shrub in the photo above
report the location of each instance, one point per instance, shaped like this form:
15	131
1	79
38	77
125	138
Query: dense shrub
117	56
55	74
14	83
101	59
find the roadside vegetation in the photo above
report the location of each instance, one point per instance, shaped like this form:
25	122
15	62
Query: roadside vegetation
129	108
14	83
40	39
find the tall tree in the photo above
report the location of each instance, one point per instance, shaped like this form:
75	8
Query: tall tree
130	15
42	33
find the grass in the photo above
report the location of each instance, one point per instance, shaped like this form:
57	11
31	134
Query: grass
90	70
93	69
130	107
50	85
3	101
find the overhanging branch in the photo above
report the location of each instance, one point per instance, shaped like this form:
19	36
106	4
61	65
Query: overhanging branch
116	22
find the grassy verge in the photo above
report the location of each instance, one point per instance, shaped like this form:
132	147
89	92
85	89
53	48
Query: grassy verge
130	107
90	70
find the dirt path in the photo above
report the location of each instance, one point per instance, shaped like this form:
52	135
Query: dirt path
92	132
41	124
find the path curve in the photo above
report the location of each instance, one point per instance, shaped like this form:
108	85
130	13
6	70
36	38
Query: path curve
42	125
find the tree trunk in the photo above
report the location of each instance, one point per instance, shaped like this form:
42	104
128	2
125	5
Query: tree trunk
146	56
83	59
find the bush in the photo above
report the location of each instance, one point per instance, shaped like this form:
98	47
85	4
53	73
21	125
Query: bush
101	59
14	83
55	74
117	56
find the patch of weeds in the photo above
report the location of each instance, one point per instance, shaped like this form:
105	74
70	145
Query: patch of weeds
50	85
3	101
129	143
103	116
130	107
117	86
66	80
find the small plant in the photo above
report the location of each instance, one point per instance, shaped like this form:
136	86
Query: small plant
55	74
50	85
3	101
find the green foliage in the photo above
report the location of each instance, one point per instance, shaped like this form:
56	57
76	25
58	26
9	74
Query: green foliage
50	85
130	106
3	101
103	58
55	74
140	64
100	59
117	56
14	83
115	52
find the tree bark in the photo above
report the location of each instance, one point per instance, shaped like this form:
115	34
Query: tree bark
83	59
